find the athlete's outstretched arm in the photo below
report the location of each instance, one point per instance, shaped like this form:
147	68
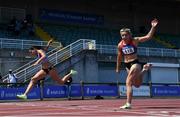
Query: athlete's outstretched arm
48	44
147	37
43	55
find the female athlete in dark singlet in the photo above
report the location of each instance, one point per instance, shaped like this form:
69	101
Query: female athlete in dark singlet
47	69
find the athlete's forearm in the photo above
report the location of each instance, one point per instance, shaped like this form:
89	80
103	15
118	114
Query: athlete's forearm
48	44
151	32
39	60
118	63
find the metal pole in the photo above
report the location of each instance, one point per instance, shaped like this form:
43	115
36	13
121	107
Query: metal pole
82	90
41	89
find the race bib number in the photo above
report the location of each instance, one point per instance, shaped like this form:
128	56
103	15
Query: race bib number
128	50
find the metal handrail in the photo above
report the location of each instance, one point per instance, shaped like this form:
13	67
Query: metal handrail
23	44
111	49
55	58
58	55
26	44
143	51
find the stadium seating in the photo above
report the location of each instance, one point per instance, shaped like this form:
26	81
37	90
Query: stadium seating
4	33
171	39
68	34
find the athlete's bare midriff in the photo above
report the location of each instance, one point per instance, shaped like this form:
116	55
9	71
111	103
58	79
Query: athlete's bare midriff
130	58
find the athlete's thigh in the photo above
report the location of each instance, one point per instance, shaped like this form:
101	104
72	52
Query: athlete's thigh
39	75
54	74
132	74
134	71
135	68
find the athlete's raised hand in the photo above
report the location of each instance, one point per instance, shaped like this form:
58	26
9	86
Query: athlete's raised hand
154	22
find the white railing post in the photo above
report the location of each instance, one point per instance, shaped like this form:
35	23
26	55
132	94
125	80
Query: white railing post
101	49
56	58
84	44
1	43
22	46
175	53
147	51
70	50
25	76
162	52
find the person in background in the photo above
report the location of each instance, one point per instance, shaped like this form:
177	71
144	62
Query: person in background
12	79
1	80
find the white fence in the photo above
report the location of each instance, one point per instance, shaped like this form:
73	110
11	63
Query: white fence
23	44
144	51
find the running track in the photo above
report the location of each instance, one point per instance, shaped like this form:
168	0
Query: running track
141	107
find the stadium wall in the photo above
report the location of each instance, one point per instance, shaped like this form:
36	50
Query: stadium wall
93	69
12	59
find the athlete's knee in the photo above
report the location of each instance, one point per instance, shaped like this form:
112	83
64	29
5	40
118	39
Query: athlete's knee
133	73
33	80
137	82
129	83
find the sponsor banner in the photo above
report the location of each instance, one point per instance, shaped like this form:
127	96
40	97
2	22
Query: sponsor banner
102	90
75	91
73	17
141	91
55	91
165	90
10	93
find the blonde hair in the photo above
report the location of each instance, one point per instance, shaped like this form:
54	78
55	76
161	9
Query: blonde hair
126	30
